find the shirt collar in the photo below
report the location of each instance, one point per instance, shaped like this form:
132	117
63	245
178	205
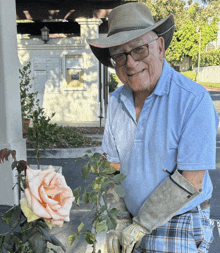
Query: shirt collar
163	84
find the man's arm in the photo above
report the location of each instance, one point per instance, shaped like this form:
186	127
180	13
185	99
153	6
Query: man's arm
195	177
117	166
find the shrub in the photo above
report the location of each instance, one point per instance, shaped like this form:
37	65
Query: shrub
210	58
113	83
190	74
28	98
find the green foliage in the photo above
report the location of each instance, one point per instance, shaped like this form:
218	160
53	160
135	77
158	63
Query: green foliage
32	237
43	132
28	98
104	180
187	18
209	58
212	85
113	83
190	74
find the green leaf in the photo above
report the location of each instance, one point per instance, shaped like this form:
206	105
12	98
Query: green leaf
109	170
111	223
89	237
72	238
103	208
45	233
80	227
119	190
85	197
96	158
8	243
12	216
56	242
24	236
86	170
54	250
1	240
101	227
37	243
89	151
93	197
105	164
77	191
114	212
106	183
118	178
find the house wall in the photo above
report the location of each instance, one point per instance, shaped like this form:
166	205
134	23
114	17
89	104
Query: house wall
75	106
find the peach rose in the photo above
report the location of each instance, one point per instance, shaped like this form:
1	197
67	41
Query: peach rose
47	196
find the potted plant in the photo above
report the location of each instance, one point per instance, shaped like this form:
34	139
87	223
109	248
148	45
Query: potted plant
28	98
43	132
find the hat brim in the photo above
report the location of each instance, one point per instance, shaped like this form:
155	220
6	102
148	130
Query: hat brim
100	46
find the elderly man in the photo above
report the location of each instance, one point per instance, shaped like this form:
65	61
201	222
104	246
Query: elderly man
160	130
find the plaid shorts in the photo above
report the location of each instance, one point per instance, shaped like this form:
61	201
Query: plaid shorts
187	233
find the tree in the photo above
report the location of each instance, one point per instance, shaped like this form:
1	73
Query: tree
188	16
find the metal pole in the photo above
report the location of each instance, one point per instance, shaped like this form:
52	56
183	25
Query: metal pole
199	55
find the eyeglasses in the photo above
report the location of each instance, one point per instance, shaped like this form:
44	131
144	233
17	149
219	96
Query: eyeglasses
137	53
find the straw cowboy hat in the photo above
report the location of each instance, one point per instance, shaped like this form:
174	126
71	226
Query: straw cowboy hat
127	22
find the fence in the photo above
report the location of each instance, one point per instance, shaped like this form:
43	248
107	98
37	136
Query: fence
209	74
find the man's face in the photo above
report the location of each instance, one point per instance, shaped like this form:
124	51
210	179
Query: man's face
141	75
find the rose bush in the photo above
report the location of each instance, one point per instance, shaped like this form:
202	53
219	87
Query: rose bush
47	196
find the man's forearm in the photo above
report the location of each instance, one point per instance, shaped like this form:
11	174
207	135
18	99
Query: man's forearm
195	177
117	166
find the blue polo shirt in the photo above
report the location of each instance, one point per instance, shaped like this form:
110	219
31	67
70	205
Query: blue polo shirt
177	127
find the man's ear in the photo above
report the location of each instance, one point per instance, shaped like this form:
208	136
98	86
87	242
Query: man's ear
161	47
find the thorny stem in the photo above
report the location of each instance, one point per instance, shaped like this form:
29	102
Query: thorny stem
97	210
37	153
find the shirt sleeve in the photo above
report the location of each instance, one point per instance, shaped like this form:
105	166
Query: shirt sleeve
108	141
197	145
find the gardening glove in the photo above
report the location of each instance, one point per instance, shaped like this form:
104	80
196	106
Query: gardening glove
164	202
114	237
130	235
123	220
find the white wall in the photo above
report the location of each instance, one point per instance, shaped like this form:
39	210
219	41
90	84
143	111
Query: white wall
73	106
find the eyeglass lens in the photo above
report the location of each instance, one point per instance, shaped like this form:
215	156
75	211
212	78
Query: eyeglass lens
137	54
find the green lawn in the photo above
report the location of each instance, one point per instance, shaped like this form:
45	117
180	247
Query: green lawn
213	85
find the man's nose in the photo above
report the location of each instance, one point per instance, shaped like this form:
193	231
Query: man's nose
130	61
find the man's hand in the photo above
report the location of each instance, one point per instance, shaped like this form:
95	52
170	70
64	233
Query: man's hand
130	235
114	241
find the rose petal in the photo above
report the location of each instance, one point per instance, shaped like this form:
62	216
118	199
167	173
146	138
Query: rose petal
54	214
65	209
36	182
67	218
28	196
45	198
52	192
61	181
38	209
30	174
49	177
55	207
57	222
67	193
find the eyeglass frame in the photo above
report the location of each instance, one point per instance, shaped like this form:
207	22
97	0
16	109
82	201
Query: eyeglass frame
113	62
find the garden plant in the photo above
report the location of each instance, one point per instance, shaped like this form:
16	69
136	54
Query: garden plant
105	179
28	98
29	226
